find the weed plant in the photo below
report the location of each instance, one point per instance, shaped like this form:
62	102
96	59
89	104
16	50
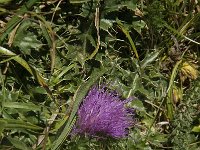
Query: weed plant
53	52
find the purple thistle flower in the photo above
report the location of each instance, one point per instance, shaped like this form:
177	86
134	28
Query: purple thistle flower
103	114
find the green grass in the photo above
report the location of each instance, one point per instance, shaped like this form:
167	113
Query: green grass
53	52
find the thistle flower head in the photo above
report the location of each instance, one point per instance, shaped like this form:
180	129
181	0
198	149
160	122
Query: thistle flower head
103	114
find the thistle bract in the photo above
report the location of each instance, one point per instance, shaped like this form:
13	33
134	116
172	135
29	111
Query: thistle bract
103	114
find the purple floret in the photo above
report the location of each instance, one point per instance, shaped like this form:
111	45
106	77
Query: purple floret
103	114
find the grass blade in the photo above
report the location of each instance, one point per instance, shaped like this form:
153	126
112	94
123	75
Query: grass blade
169	91
126	32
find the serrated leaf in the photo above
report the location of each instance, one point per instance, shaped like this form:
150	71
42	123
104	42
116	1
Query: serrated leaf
149	58
26	40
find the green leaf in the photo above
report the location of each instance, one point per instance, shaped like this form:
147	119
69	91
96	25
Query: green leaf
170	108
157	138
2	126
91	39
5	2
105	24
78	1
115	5
138	25
64	69
149	58
137	104
22	62
16	19
38	90
28	106
14	124
17	143
126	32
131	4
25	39
196	129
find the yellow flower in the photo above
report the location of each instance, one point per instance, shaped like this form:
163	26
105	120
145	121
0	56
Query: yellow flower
177	95
189	70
